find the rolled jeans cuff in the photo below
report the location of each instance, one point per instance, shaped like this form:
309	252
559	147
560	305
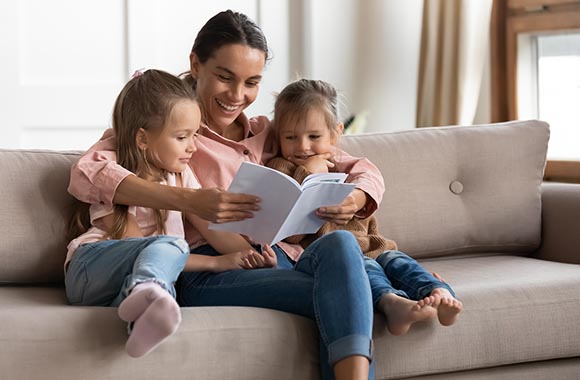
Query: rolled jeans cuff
351	345
426	290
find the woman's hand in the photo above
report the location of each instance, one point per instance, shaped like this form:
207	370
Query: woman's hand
344	212
219	206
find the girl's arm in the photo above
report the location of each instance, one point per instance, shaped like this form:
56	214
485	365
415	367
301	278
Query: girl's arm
227	243
97	179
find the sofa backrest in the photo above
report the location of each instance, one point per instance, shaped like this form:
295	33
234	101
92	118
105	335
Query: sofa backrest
34	211
460	190
450	190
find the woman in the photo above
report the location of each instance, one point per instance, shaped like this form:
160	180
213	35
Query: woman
226	62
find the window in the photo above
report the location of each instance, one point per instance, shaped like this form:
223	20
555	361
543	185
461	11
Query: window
536	74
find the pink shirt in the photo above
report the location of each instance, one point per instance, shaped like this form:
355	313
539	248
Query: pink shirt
95	177
144	217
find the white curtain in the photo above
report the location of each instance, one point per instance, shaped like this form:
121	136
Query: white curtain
454	46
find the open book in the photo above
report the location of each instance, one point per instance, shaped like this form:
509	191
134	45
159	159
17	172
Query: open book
287	208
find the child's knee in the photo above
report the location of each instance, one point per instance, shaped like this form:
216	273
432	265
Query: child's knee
389	256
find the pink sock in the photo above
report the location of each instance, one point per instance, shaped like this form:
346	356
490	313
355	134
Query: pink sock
140	297
156	315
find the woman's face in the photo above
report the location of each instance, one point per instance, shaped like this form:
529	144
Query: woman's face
227	83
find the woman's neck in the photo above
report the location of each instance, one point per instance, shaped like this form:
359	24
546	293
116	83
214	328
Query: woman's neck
234	131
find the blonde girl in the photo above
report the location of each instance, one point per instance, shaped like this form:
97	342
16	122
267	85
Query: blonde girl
130	257
307	128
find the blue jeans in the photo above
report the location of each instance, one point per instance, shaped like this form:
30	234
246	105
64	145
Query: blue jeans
328	284
104	273
396	272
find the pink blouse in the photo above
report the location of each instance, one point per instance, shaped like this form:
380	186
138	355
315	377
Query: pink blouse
95	177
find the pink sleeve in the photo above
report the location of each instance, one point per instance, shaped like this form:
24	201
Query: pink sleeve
95	176
367	178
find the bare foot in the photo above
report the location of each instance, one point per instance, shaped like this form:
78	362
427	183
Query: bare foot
448	307
401	313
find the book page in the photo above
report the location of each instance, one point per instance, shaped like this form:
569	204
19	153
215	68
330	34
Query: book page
303	219
323	177
278	192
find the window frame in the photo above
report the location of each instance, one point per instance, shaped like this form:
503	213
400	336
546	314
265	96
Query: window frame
510	18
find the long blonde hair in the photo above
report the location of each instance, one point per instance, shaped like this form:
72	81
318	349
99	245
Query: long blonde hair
145	102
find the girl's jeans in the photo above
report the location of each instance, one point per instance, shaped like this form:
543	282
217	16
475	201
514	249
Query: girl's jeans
104	273
328	284
396	272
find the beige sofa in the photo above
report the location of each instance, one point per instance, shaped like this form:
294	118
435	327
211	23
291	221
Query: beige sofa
467	201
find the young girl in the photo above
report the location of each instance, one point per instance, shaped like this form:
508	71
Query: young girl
307	128
131	256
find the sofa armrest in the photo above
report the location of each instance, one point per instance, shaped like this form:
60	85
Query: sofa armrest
560	223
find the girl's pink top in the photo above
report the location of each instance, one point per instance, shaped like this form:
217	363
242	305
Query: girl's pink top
144	217
95	177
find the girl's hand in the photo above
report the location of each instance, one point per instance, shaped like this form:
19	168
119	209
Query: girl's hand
344	212
270	259
235	260
219	206
319	163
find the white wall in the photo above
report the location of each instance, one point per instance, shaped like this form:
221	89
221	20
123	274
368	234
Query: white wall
63	62
370	51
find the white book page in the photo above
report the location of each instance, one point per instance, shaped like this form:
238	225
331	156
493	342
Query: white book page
323	177
278	193
303	219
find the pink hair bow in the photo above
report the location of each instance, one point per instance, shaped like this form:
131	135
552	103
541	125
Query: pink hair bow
137	73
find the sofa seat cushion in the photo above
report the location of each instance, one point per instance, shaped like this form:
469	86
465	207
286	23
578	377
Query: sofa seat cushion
44	338
516	309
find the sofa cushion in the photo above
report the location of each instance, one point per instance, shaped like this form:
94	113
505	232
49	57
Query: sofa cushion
516	310
34	210
459	190
43	338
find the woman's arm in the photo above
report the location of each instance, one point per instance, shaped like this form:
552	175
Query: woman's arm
215	205
97	179
364	200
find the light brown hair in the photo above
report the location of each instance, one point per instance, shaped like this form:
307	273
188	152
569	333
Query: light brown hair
145	102
296	99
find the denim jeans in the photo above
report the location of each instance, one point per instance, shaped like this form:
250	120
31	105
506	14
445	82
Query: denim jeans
396	272
328	284
104	273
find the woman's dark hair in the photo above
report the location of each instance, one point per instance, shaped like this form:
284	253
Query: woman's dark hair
226	28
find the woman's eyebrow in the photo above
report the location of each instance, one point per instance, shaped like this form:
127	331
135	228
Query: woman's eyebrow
230	72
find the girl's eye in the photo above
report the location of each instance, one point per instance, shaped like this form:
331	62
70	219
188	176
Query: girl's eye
181	138
252	84
314	137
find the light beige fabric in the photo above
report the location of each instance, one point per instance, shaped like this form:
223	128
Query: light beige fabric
468	194
457	190
517	310
561	230
563	369
33	213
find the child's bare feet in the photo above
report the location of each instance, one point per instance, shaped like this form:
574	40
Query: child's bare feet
401	313
448	307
